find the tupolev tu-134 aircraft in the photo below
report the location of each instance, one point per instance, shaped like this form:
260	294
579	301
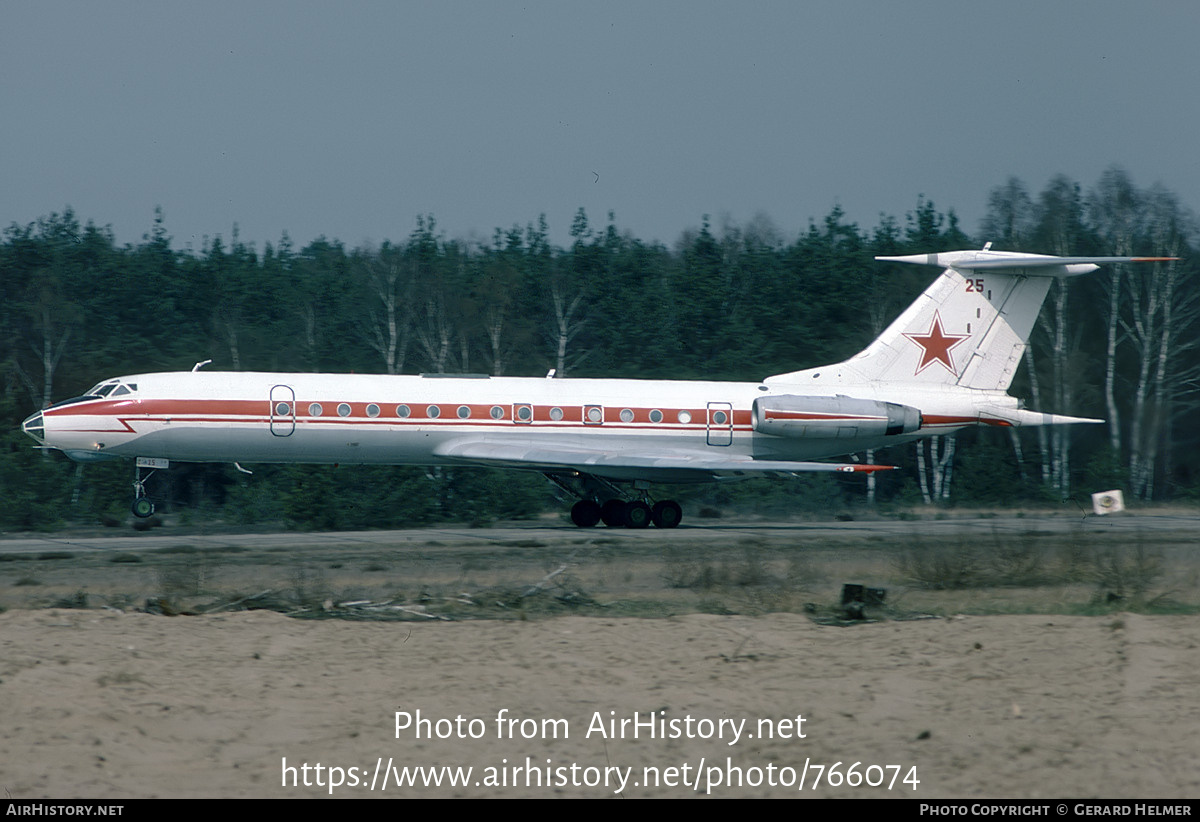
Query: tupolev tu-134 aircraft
943	364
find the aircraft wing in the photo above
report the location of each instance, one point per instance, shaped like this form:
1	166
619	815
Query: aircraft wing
663	465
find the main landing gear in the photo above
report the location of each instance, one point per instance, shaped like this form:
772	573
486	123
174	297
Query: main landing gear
616	510
632	513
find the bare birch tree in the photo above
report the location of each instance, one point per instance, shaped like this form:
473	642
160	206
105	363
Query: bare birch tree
935	472
567	323
388	326
50	333
1059	231
434	331
1159	314
1010	223
1114	209
50	320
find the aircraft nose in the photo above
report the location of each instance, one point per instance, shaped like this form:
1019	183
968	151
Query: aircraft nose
35	427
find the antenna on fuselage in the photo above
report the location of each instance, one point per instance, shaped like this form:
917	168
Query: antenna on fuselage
200	365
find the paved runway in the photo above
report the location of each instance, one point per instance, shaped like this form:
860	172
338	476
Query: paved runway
547	532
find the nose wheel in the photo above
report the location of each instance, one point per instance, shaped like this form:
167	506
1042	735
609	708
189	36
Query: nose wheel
142	506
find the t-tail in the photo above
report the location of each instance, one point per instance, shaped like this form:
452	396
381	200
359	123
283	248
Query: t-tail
967	330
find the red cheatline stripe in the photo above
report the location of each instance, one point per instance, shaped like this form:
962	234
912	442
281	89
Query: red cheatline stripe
505	425
930	420
251	411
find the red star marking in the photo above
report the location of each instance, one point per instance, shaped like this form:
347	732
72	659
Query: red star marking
936	345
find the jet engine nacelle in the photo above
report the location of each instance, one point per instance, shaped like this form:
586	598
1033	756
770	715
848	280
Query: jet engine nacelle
789	415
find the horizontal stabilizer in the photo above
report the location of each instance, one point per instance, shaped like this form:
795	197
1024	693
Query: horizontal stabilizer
1003	261
1046	262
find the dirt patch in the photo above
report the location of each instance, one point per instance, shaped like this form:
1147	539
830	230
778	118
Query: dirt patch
1017	698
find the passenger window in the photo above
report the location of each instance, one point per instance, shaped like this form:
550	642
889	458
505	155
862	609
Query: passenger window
315	409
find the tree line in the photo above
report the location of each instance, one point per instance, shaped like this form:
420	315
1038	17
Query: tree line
723	302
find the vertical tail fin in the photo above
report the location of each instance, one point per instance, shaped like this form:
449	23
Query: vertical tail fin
970	326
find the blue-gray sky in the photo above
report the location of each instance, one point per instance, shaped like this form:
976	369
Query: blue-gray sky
350	119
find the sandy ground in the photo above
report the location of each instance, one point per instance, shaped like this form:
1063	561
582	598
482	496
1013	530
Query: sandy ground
105	704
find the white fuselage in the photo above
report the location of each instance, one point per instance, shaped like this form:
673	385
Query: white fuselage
379	419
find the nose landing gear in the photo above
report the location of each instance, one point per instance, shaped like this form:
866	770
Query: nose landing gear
143	506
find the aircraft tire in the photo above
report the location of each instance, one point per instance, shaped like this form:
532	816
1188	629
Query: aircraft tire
585	513
666	514
637	514
142	507
612	512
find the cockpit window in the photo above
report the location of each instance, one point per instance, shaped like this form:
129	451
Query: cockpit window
114	388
